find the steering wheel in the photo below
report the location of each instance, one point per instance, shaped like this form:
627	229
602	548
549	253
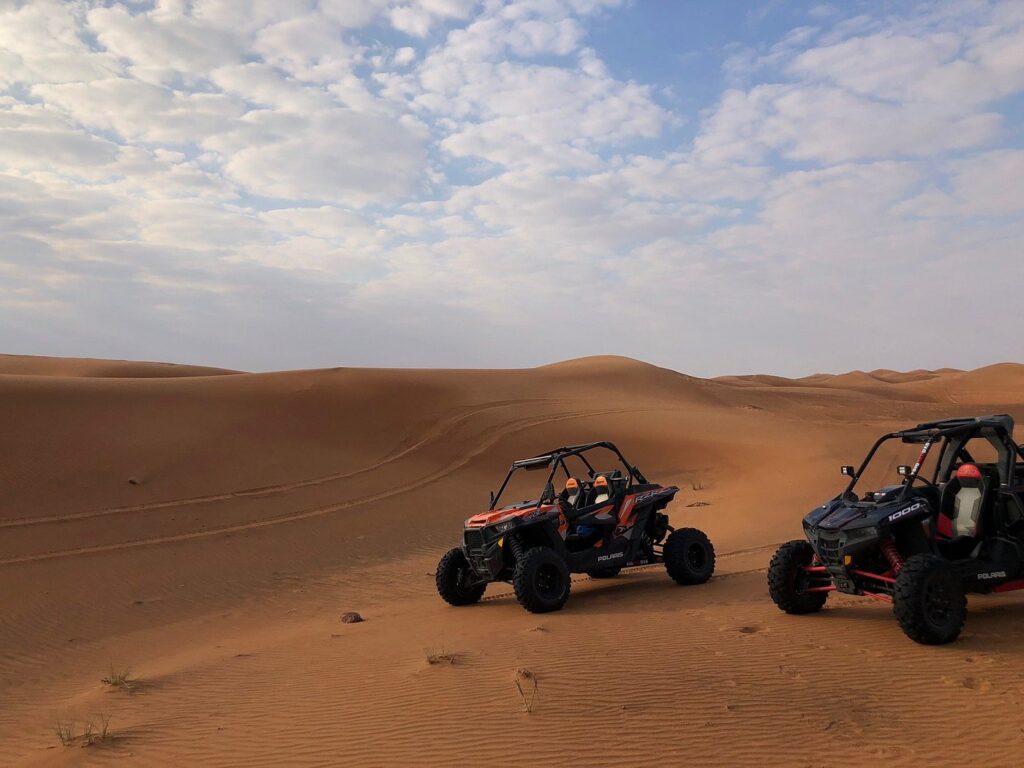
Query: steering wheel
924	480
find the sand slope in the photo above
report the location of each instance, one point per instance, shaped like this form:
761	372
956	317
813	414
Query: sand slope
206	530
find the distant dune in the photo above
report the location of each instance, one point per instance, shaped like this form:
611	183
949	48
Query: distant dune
28	365
205	528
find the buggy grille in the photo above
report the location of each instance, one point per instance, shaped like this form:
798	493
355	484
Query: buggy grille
474	538
829	551
476	552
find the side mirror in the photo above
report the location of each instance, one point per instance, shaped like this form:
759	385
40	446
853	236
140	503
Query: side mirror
903	470
849	470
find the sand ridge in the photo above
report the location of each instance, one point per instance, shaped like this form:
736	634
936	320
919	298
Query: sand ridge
207	529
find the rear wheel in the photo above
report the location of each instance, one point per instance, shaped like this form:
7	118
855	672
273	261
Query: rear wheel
455	579
788	582
541	580
929	600
605	573
689	556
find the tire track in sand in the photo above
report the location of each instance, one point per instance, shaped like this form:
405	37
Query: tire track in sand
485	444
435	432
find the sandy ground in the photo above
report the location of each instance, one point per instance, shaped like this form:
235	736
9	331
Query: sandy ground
205	529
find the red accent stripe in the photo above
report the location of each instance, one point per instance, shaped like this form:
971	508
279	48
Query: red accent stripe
829	588
815	569
1010	586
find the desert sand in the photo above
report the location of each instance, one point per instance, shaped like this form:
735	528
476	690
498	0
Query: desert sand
205	529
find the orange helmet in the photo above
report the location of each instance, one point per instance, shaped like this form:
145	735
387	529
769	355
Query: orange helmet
572	485
601	481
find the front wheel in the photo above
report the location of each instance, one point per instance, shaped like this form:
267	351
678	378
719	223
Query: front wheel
689	556
788	582
455	581
929	600
541	580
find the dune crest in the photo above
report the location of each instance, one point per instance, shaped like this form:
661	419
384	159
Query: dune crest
31	365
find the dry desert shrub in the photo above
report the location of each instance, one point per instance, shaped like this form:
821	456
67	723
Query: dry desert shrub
440	657
526	684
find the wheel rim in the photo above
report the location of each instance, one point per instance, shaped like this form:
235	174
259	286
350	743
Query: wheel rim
696	557
938	601
547	581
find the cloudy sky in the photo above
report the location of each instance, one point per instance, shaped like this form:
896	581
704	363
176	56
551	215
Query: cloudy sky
718	187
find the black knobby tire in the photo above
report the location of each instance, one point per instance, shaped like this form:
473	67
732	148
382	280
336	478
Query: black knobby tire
929	600
605	573
541	580
787	581
689	556
454	579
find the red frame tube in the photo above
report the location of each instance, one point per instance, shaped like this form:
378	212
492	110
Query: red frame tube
815	569
877	576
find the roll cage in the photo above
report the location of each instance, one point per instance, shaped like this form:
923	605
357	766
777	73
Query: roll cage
953	434
555	459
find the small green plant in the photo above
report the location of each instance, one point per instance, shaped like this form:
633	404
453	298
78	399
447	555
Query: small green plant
65	730
526	684
119	679
96	729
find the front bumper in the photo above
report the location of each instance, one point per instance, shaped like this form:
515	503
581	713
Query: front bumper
838	548
486	558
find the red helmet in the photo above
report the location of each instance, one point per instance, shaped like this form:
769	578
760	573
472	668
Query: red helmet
968	472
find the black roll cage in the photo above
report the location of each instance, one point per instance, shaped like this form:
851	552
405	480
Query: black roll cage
948	431
556	457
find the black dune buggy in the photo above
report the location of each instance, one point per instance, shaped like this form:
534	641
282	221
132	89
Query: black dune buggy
600	522
954	524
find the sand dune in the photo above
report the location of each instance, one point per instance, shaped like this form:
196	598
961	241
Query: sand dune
206	530
28	365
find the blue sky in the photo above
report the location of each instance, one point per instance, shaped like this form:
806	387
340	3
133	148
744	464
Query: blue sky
717	187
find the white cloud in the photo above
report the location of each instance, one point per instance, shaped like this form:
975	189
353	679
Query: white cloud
875	88
40	41
418	18
339	155
513	112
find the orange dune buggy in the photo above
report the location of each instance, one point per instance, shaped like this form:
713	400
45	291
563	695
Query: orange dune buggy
601	522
